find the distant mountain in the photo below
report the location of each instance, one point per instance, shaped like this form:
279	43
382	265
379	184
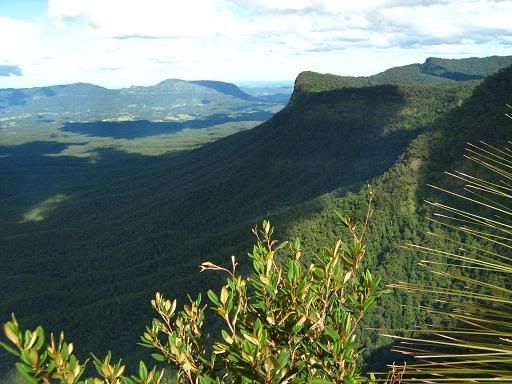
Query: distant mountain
226	88
180	114
432	71
22	98
465	69
279	92
84	245
196	97
193	89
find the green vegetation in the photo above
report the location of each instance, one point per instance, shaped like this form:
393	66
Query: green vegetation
465	69
432	71
171	116
285	323
132	225
400	209
477	299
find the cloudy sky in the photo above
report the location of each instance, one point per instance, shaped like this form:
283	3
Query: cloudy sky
117	43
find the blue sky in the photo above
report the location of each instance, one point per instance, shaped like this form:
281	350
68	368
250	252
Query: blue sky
118	43
23	9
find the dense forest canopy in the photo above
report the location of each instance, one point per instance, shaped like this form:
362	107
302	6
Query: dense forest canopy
85	244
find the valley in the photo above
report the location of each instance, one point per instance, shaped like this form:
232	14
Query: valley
170	116
108	196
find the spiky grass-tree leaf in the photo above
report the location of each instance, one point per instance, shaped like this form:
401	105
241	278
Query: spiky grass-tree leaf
479	348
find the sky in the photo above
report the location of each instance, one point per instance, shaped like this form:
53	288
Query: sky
119	43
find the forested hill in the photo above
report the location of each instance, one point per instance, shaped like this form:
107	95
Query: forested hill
84	97
225	88
84	245
400	208
432	71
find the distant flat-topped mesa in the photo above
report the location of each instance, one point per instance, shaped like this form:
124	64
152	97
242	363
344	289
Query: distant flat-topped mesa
432	71
197	87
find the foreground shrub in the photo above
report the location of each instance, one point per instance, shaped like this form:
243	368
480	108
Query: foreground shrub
286	322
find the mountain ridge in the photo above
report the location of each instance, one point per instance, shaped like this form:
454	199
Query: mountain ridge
145	224
401	212
433	70
226	88
207	90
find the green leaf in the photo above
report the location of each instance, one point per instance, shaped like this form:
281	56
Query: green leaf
346	260
231	284
331	332
291	271
270	289
368	302
213	297
320	381
158	357
51	366
25	357
205	380
283	359
9	349
340	216
319	273
143	371
297	327
65	351
256	266
229	304
72	360
323	346
226	336
349	349
127	380
25	372
40	338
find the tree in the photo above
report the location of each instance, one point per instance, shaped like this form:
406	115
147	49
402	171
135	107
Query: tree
285	322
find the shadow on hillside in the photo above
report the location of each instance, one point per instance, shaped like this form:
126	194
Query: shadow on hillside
144	128
31	172
320	143
132	225
14	97
457	76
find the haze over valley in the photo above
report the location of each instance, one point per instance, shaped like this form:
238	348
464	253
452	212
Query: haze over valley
88	117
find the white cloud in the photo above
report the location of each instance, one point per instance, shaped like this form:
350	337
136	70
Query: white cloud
121	42
148	18
19	39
